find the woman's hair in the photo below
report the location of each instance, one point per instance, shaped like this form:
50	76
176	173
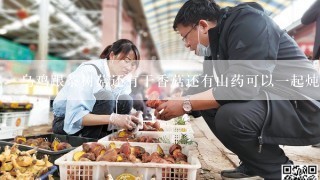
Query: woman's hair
193	11
121	46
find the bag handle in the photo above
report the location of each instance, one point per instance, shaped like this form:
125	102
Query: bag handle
102	82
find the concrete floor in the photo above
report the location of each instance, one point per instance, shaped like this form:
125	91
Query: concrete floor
213	156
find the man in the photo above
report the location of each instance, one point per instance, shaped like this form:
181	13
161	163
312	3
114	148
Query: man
244	40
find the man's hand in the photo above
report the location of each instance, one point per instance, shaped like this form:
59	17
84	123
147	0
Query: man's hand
170	109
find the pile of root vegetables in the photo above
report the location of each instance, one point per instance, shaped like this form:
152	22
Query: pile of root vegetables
16	164
151	126
128	153
125	135
43	143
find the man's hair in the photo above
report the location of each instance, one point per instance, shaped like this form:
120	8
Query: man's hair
193	11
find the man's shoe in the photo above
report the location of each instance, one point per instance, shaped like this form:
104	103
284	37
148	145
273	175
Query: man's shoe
316	145
241	172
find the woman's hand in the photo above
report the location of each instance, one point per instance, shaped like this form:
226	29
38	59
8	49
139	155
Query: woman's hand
124	121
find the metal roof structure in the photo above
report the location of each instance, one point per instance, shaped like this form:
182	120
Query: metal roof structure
160	15
74	25
72	22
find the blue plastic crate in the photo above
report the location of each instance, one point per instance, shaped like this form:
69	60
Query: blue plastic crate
46	175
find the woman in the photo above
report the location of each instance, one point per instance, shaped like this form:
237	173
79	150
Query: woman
96	95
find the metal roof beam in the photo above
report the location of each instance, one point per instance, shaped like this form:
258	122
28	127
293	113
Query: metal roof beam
16	3
51	41
14	11
91	12
57	50
79	23
17	24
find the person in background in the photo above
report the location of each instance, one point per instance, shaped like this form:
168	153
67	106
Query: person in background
310	16
177	92
248	120
154	91
139	97
96	96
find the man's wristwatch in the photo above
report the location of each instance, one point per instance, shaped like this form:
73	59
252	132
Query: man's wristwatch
187	104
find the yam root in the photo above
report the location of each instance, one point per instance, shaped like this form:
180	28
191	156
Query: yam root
86	147
145	157
32	142
44	146
124	134
137	151
125	149
159	160
121	158
42	143
174	147
156	125
20	139
98	150
169	158
62	146
54	144
128	153
95	148
154	155
89	156
112	145
179	156
110	156
149	126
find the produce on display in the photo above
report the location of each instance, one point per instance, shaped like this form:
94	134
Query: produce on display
16	164
180	121
43	143
129	153
125	135
151	126
13	106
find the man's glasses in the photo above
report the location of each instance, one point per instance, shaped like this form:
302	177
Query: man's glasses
184	39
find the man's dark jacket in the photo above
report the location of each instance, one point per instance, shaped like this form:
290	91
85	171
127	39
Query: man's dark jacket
310	16
246	41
